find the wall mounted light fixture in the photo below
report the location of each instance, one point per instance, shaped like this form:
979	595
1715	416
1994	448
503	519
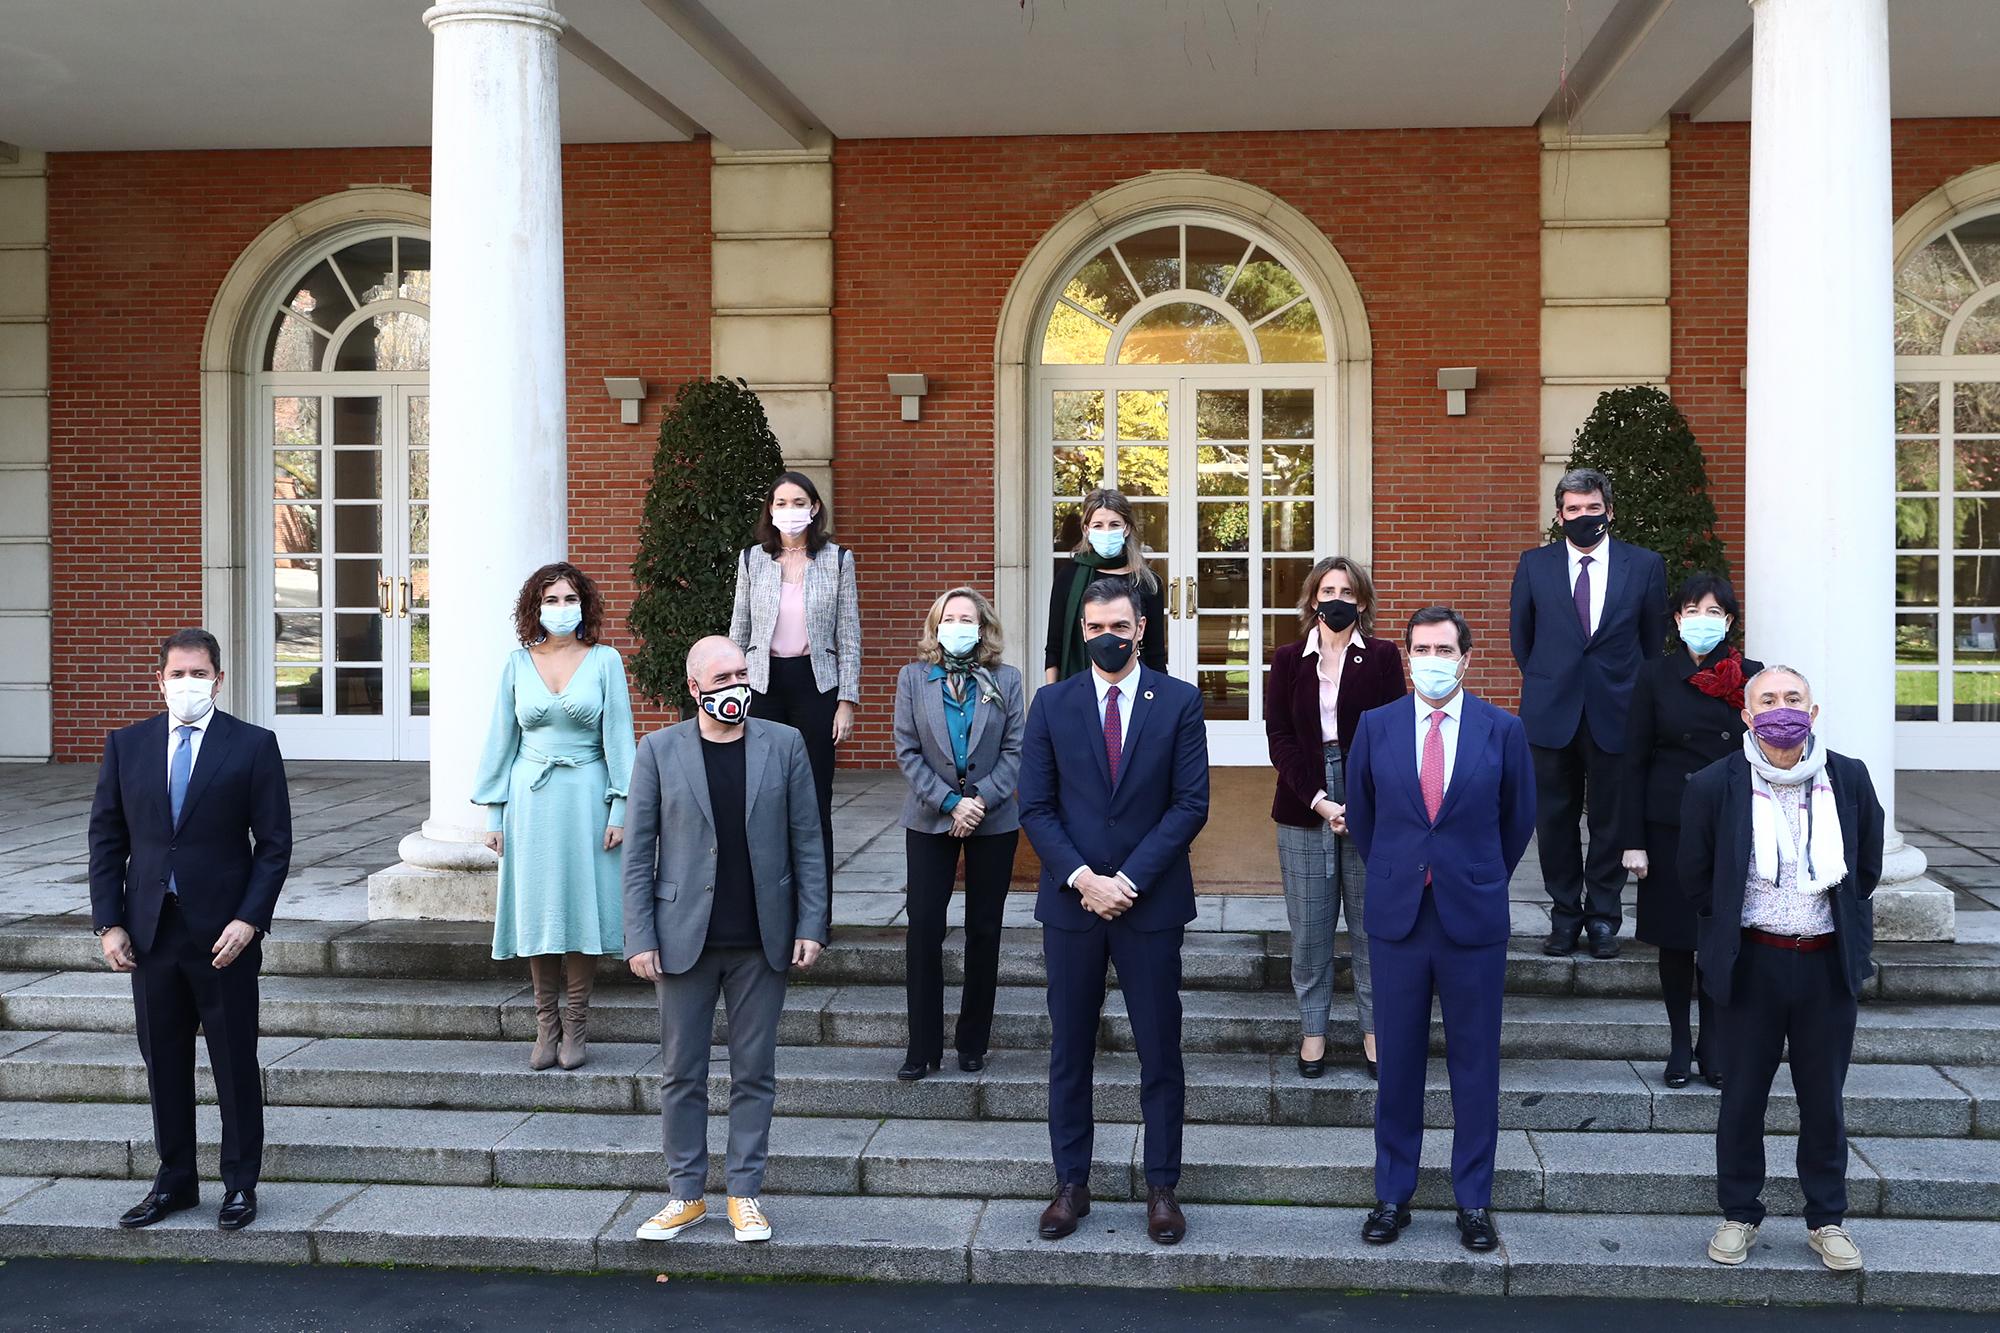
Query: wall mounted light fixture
911	389
630	391
1456	381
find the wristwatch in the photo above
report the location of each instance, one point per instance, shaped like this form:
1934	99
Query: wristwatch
99	930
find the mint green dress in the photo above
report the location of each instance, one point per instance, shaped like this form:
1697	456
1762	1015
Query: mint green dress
553	777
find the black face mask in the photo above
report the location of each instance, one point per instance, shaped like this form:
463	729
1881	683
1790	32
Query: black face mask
1337	614
1586	530
1110	652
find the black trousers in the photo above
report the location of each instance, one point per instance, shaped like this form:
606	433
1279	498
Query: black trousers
1782	997
176	989
1578	778
933	864
797	702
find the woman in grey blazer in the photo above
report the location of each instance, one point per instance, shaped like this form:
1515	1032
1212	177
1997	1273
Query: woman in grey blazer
960	715
798	622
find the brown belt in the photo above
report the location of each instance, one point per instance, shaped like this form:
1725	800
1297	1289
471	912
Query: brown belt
1796	943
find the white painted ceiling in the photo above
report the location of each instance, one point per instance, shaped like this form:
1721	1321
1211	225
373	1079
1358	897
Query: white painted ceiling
177	74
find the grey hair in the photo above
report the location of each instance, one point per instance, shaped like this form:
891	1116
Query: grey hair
1776	669
1582	481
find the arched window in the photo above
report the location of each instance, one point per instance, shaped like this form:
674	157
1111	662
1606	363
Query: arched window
1947	324
1182	295
364	307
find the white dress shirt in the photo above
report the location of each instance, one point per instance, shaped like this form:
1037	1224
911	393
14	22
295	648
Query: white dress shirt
174	726
1600	566
1126	684
1448	731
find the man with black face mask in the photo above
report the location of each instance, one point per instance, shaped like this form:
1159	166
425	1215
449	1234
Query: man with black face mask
1114	787
1586	612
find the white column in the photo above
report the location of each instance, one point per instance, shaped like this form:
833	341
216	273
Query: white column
1819	545
499	467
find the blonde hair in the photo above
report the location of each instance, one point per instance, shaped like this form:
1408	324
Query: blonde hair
1105	497
990	640
1357	578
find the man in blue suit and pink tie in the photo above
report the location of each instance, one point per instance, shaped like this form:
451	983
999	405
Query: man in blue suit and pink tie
1114	786
1441	804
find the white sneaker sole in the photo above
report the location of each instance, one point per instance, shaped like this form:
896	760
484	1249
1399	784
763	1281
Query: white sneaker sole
1837	1265
648	1231
747	1234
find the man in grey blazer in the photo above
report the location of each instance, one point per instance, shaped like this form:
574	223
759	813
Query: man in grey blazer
725	890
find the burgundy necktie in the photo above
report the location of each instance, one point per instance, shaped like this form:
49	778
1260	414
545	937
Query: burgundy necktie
1583	595
1114	742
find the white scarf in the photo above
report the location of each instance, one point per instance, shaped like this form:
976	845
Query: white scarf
1771	839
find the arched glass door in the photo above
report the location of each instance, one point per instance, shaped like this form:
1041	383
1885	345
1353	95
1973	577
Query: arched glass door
1948	499
344	449
1183	361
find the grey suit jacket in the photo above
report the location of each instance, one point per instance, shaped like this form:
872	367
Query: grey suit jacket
670	845
833	618
993	758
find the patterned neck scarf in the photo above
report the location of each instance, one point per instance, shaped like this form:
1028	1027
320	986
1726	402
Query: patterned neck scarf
1721	677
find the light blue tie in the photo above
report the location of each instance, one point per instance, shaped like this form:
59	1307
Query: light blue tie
177	783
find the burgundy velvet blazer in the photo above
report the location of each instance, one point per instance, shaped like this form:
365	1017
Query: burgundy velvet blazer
1371	675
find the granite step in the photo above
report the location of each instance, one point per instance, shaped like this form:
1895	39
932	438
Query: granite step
1579	1096
1931	1264
1535	1170
1533	1026
1245	960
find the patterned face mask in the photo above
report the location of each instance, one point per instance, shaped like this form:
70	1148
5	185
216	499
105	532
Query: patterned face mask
730	704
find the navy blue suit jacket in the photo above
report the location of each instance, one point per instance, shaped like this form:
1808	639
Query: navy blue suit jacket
1143	826
230	852
1568	678
1482	828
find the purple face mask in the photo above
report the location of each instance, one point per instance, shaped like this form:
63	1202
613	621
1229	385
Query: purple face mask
1785	728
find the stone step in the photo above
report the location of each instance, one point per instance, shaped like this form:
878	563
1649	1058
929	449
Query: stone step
1533	1026
1909	1263
1535	1170
863	955
1581	1096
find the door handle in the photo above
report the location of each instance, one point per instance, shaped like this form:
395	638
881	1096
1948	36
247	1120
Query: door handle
1174	598
403	597
385	594
1193	596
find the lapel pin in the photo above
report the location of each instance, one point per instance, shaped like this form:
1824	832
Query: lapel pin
1149	694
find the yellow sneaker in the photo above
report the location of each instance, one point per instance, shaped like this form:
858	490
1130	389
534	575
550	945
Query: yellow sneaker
747	1216
676	1217
1835	1248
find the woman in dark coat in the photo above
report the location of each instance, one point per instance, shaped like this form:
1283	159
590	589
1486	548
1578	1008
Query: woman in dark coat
1109	546
1318	690
1686	714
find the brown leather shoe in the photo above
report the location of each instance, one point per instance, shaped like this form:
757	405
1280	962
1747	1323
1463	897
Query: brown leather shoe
1070	1206
1165	1222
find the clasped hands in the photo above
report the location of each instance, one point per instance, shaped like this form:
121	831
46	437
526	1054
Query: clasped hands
1334	814
1104	895
966	816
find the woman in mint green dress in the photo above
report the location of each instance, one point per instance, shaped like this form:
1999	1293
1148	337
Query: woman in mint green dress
553	779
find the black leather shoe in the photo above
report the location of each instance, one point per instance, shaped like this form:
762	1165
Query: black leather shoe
1385	1223
1312	1068
239	1210
1603	941
1560	943
1165	1222
913	1070
1674	1078
156	1206
971	1064
1070	1206
1374	1074
1475	1230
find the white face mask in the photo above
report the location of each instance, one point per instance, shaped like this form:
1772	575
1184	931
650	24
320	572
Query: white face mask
791	522
189	698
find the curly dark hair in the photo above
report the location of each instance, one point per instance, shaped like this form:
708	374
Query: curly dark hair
528	606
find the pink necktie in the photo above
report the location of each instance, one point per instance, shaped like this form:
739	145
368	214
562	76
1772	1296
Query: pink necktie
1582	594
1433	766
1114	743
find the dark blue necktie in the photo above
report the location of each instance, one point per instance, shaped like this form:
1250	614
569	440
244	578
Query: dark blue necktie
177	782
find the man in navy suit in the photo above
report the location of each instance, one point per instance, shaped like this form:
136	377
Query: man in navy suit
190	842
1440	803
1114	787
1586	613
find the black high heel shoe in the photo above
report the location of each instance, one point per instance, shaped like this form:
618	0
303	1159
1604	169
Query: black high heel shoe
1707	1075
913	1070
1314	1068
1675	1078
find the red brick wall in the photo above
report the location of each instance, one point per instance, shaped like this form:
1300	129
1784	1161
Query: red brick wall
1440	229
139	244
1711	202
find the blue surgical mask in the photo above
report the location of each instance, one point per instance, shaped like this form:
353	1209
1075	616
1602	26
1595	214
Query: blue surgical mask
1702	633
1434	677
957	638
1109	543
561	619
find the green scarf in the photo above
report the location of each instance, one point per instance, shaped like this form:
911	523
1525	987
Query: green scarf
958	671
1073	658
